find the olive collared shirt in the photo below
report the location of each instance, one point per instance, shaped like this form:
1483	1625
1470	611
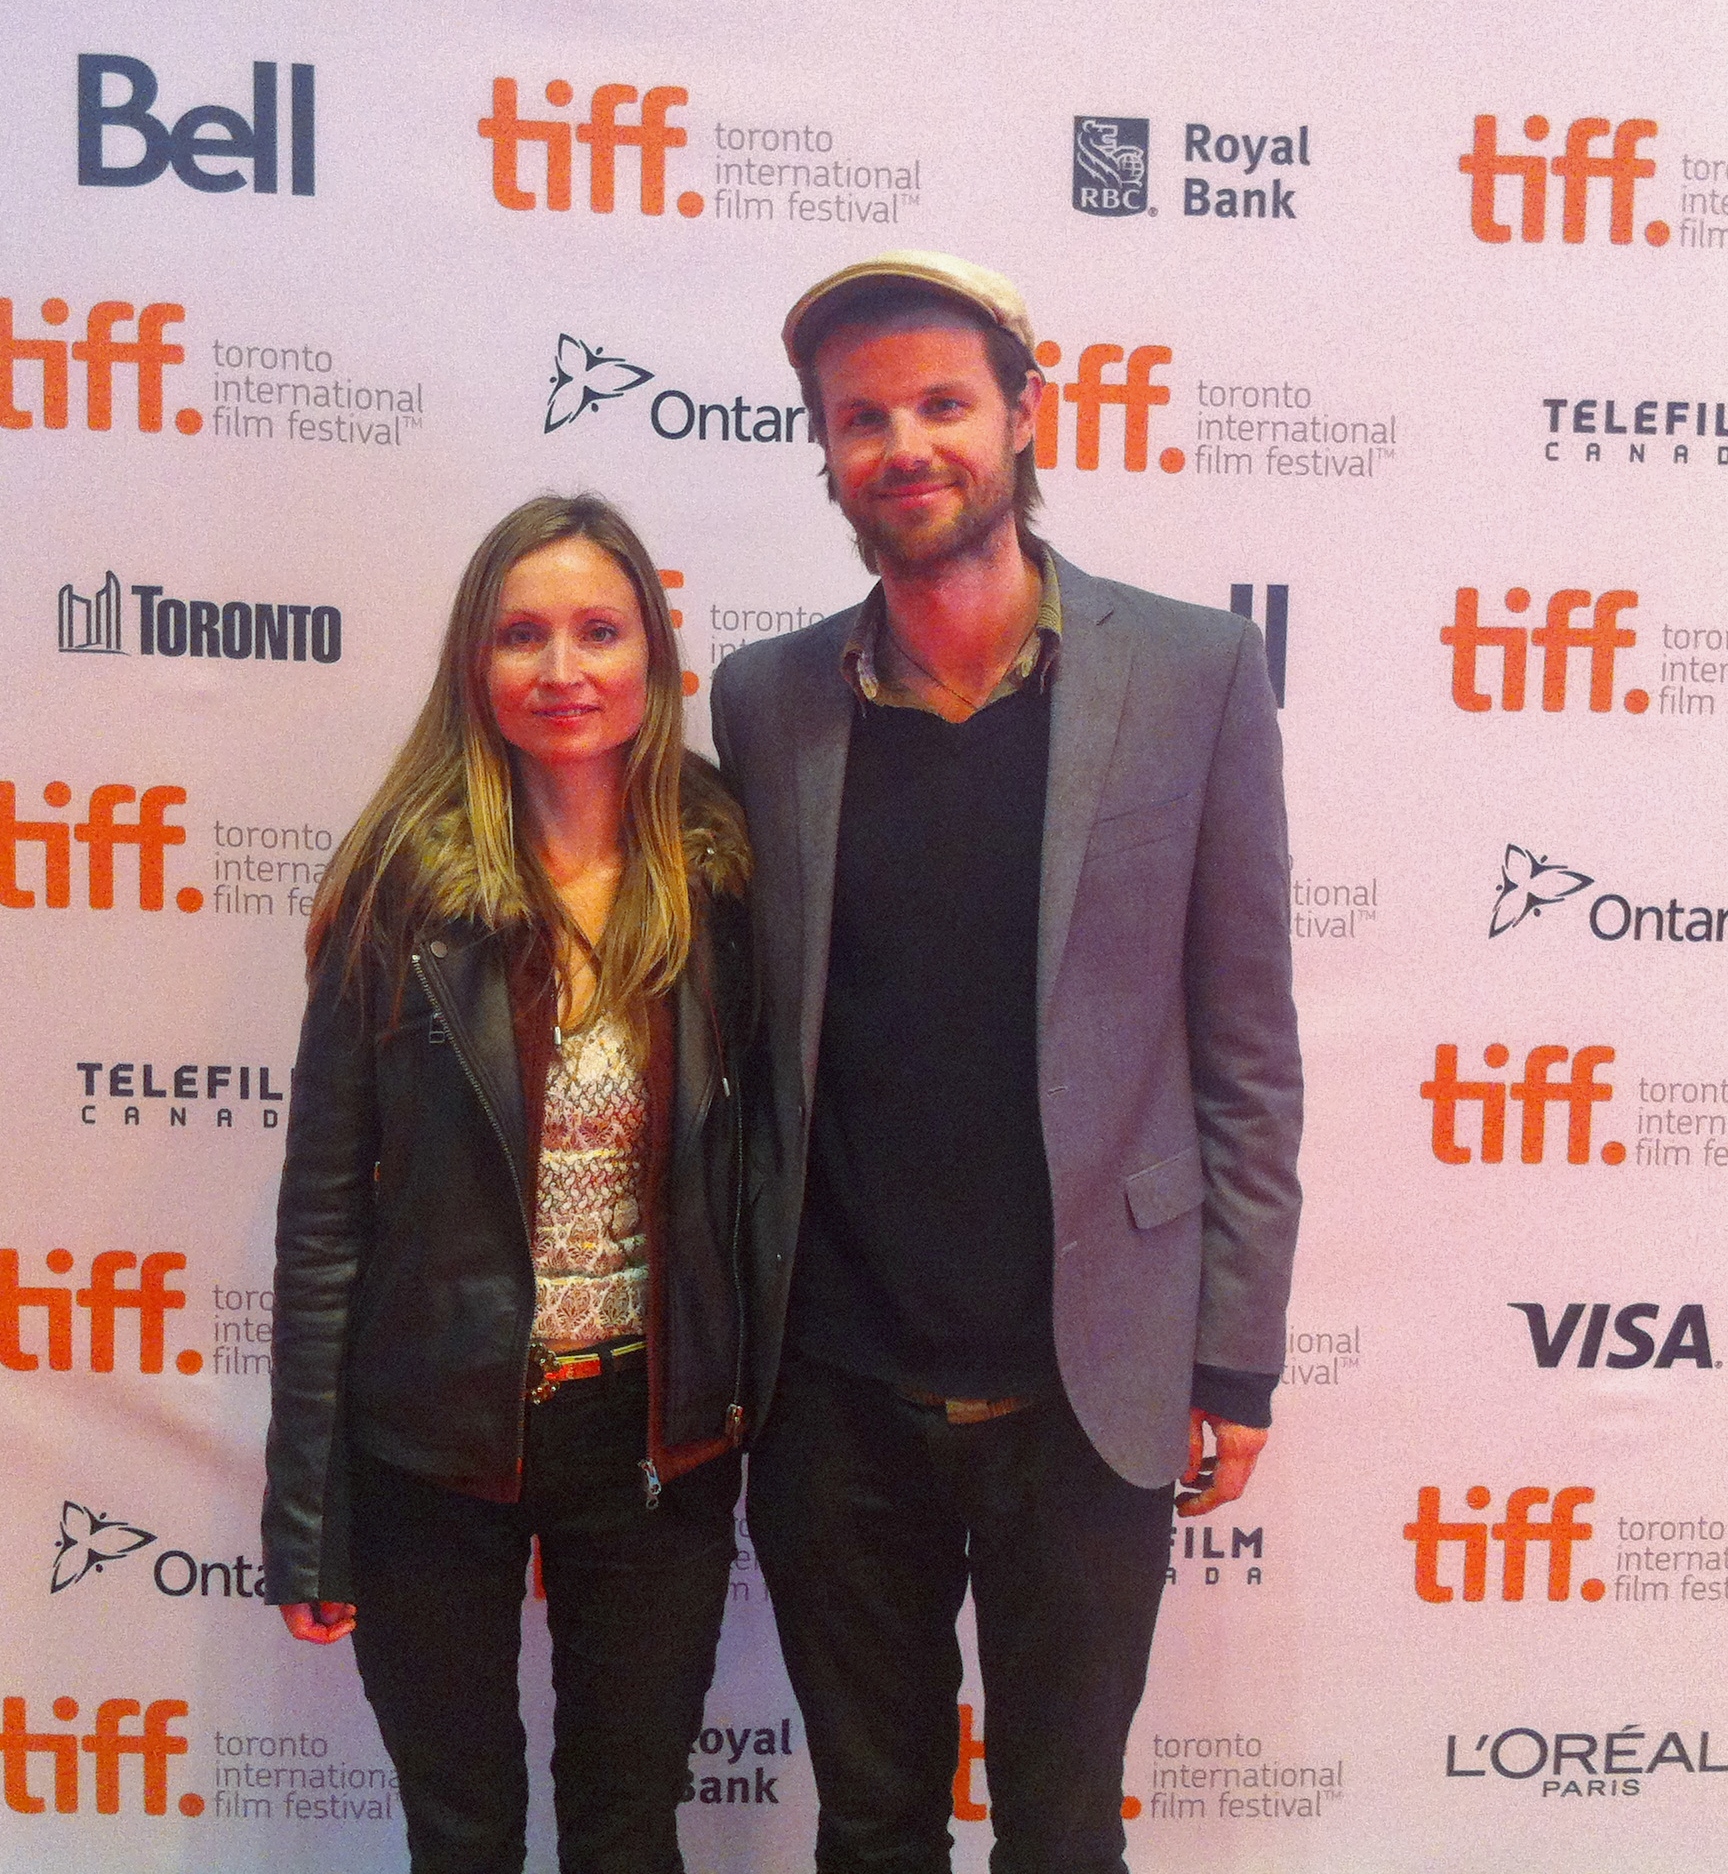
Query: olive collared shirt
875	679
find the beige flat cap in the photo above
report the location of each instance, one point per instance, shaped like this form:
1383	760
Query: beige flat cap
993	295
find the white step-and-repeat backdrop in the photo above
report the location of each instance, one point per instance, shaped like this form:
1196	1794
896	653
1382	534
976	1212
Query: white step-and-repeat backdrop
1401	334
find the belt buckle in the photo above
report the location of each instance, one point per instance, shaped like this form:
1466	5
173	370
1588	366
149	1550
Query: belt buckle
540	1360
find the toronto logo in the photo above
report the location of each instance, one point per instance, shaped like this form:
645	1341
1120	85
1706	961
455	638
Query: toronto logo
584	377
87	1540
91	624
1110	165
1527	884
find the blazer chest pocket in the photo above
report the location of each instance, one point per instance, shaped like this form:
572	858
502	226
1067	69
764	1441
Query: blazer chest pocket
1138	825
1165	1190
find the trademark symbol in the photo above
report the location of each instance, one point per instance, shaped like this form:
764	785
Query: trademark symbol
1152	208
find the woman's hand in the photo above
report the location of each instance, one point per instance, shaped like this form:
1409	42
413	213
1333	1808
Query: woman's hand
319	1621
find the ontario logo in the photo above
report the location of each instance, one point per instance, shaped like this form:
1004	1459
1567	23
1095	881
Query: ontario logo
90	1541
1528	885
1110	159
584	377
1578	165
1531	884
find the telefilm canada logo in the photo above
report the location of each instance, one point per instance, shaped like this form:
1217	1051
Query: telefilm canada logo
163	625
1110	163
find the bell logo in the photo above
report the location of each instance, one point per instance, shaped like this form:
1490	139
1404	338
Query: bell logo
1578	166
99	351
207	132
107	1743
102	1298
1091	394
1556	638
651	135
1580	1093
152	833
1561	1532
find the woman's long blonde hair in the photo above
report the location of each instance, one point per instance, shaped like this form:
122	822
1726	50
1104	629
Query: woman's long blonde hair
440	839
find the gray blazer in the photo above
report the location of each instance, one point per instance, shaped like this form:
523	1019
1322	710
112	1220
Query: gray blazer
1169	1079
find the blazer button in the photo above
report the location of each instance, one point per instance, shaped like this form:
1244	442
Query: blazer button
439	947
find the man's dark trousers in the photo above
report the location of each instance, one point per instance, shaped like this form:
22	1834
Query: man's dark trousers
870	1514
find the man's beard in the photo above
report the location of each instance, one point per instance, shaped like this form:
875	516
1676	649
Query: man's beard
920	549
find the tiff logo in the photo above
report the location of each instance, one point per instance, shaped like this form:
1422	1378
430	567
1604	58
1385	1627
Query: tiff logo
651	136
1277	628
1561	1532
103	1298
206	133
152	833
1578	166
1580	1093
107	1745
91	624
99	351
1556	638
1092	394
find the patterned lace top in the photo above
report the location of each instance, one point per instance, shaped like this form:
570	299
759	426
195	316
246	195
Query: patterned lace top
590	1231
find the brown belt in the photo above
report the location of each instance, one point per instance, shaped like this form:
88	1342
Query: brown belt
965	1411
548	1369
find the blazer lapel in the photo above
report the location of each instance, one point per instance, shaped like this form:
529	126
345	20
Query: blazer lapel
1085	708
818	726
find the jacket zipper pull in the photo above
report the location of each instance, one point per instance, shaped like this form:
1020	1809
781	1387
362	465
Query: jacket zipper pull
734	1425
650	1483
725	1086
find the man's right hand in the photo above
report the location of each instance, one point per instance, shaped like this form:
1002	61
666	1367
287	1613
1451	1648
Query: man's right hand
321	1622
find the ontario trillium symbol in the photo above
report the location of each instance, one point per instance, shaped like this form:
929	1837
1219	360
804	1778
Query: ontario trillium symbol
583	377
1526	885
88	1540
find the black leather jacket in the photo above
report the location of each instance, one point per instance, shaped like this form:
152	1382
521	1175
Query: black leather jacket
404	1271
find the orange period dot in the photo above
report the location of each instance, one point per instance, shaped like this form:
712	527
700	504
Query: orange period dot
1496	1054
559	93
1130	1808
189	898
191	1804
59	1260
188	422
692	683
1478	1496
690	204
1657	233
1047	353
1518	600
1172	461
56	793
1636	702
1593	1590
1613	1153
56	311
189	1361
1535	128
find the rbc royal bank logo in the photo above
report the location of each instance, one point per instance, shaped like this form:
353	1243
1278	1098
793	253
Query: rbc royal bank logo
1110	165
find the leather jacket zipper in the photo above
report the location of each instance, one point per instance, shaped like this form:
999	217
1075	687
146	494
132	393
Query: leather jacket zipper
735	1122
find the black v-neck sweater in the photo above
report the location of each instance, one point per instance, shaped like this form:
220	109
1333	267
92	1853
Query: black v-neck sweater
926	1250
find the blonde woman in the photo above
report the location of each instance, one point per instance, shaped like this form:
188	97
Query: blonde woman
507	1286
